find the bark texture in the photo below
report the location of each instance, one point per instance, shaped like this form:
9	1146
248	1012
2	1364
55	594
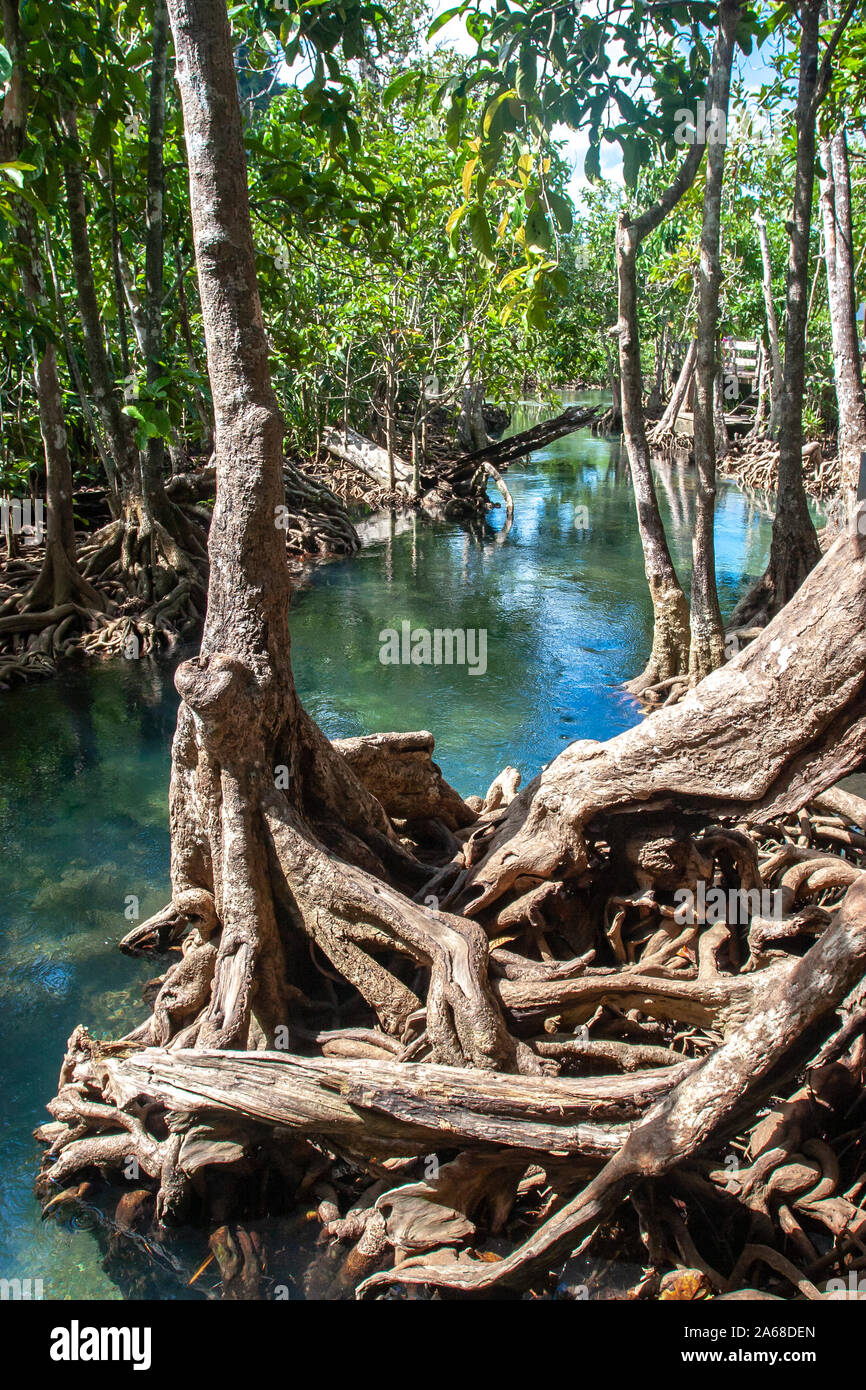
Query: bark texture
839	260
707	646
670	651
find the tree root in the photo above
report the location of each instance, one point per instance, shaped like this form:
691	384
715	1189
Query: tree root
589	997
689	1116
362	1101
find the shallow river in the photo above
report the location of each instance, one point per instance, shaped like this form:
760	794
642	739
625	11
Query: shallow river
84	760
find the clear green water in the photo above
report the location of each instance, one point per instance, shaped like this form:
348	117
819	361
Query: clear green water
84	760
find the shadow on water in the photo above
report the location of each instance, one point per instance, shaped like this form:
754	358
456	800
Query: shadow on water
84	759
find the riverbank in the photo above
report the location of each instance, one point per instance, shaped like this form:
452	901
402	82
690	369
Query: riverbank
349	478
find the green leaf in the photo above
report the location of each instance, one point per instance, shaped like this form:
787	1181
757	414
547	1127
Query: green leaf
100	137
89	64
397	87
13	173
466	176
538	236
512	277
592	163
479	232
630	161
511	307
442	19
527	73
494	106
536	314
455	218
562	210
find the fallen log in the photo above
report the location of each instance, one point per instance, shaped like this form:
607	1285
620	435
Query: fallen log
506	451
385	1107
458	476
371	459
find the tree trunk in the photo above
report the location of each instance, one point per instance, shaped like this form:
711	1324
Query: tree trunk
794	547
654	404
772	326
667	423
113	490
707	649
838	252
234	835
154	456
389	417
117	427
119	297
670	650
472	433
720	427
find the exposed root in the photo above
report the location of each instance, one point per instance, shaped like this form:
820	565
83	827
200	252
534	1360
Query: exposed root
44	611
598	983
755	464
363	1102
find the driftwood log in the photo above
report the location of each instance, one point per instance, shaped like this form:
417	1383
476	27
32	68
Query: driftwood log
447	484
369	458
